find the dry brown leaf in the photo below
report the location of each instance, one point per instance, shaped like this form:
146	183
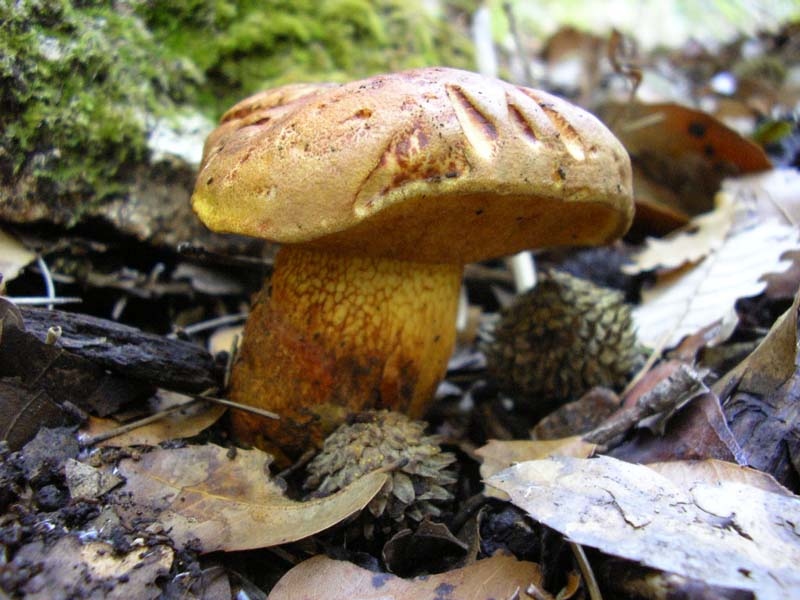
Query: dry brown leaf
745	201
724	532
774	194
324	578
704	271
201	494
14	256
182	423
771	364
716	472
672	130
68	569
696	431
497	455
760	400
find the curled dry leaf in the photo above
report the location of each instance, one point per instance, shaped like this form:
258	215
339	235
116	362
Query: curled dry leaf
760	401
322	578
218	502
696	431
683	152
774	195
672	130
722	531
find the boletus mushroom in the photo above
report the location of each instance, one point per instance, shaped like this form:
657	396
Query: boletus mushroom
379	191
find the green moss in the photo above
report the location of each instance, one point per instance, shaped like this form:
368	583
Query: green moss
242	46
81	82
77	87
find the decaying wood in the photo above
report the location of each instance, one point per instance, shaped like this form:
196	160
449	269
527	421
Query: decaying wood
666	396
172	364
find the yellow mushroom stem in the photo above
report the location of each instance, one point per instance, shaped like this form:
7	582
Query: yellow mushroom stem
336	334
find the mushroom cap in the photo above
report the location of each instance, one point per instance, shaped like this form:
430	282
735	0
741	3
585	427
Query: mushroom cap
431	164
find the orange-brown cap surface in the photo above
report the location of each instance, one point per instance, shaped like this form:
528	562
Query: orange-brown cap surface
432	164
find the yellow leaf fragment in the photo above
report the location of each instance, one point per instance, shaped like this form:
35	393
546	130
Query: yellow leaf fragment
497	455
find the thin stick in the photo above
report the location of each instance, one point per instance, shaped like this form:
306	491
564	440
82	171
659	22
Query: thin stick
229	403
48	280
210	324
38	300
100	437
667	394
586	570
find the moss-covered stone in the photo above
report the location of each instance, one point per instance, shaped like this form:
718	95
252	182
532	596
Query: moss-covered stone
77	86
82	84
242	46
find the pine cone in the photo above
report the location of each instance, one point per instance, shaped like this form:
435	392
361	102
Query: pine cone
419	485
561	339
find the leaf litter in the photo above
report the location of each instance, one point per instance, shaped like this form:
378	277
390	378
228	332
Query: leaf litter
725	532
723	257
205	497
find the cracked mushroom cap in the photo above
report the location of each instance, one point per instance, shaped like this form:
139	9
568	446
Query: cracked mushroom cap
432	164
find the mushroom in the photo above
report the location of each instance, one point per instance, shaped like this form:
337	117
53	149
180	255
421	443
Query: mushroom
379	191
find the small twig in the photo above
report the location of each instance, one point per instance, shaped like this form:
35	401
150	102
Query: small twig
669	393
119	306
232	354
298	464
483	273
468	508
519	46
198	252
100	437
106	435
38	300
586	570
210	324
231	404
49	287
619	52
655	354
21	412
284	555
535	592
515	594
